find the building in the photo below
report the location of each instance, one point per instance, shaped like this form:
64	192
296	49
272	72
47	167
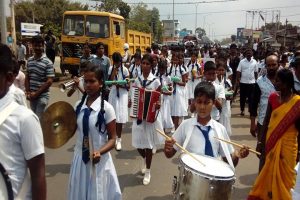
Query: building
169	28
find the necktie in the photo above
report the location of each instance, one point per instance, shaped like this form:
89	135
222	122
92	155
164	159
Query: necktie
118	92
174	85
144	83
192	73
85	142
208	146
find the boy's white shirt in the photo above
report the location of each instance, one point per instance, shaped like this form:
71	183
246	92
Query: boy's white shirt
187	129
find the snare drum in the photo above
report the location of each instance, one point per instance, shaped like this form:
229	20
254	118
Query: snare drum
6	192
213	181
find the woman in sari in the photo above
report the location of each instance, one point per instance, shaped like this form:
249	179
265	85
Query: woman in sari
281	127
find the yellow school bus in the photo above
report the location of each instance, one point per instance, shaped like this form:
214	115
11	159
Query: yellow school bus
80	27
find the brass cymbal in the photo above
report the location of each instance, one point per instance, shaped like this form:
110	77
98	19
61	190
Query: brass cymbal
58	124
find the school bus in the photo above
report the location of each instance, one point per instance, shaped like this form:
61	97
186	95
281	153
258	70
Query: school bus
80	27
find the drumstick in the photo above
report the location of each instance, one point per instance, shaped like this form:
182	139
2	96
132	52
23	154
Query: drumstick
238	145
178	145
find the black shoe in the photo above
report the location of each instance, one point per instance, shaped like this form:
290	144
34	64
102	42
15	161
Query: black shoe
242	113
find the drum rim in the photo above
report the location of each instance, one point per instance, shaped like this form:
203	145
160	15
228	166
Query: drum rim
224	178
7	182
218	178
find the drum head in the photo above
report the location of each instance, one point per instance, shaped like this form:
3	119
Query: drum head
5	185
213	167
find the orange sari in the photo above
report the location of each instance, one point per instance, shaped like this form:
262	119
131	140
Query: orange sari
278	175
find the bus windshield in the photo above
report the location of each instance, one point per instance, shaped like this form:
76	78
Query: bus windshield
97	26
73	25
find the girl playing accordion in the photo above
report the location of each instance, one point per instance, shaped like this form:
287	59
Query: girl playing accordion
144	135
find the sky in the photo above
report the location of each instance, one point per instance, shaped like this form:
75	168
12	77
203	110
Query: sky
221	19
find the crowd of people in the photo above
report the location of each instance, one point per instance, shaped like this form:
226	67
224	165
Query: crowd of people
196	88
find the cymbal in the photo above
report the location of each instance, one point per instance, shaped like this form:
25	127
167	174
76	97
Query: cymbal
58	124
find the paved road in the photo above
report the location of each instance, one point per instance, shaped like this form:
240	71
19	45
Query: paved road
127	163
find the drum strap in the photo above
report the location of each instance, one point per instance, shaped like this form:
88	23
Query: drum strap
226	151
188	137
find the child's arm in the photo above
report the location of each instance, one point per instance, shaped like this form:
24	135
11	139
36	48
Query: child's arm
110	144
169	149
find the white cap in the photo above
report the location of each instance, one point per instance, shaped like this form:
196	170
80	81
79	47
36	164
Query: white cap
126	46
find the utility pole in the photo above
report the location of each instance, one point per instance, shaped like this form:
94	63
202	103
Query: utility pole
196	22
3	22
13	24
285	32
173	22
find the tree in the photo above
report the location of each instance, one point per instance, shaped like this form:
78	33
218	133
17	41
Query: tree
145	20
233	38
114	6
46	12
225	41
200	32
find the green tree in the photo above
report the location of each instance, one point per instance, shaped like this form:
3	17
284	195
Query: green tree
143	19
46	12
114	6
233	38
200	32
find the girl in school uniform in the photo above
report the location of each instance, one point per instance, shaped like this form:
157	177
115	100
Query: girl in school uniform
179	100
222	79
93	175
155	59
118	96
135	69
194	70
167	91
144	135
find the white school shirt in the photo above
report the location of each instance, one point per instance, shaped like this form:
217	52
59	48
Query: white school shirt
136	71
21	139
248	69
220	94
119	74
20	81
18	94
196	143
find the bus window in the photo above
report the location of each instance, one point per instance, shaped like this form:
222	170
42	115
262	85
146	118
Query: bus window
97	26
115	27
122	26
73	25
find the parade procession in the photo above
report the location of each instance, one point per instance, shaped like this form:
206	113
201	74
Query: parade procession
122	99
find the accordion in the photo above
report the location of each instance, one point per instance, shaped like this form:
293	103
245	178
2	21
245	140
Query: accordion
143	104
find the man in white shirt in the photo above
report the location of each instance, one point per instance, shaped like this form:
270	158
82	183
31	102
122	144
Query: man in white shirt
246	76
21	54
21	139
127	57
296	65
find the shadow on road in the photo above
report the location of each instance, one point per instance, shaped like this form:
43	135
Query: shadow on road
242	137
240	193
248	179
130	180
239	125
166	197
52	170
127	154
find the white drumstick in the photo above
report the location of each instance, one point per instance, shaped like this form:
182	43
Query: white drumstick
238	145
178	145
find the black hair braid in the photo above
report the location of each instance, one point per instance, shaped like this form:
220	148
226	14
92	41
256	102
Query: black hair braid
100	117
78	108
170	72
102	100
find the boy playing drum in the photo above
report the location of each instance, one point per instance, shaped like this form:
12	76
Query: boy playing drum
197	134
